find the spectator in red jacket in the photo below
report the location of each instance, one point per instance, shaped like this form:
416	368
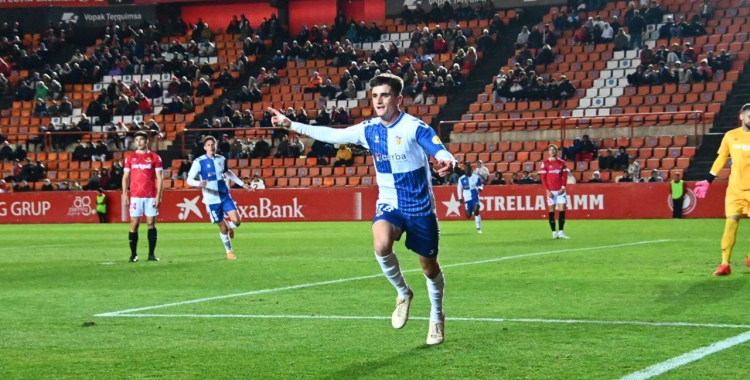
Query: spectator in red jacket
705	73
440	46
689	54
144	105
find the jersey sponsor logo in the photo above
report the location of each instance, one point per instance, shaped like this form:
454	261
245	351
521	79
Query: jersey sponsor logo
389	157
189	206
141	166
743	147
267	209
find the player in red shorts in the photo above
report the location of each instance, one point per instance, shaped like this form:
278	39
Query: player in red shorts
554	175
145	168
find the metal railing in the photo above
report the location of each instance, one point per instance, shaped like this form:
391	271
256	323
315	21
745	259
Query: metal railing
566	123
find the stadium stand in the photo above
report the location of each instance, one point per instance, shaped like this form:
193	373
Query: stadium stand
604	97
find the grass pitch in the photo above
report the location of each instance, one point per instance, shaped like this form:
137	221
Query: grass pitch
307	301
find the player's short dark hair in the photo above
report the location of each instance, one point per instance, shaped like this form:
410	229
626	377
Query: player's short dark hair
207	138
396	83
141	134
745	108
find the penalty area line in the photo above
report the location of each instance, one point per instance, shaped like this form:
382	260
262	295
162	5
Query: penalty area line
461	319
313	284
687	358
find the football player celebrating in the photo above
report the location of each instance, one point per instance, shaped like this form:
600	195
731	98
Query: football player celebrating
469	186
401	145
208	172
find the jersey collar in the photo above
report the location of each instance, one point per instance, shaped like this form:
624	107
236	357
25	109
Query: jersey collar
400	116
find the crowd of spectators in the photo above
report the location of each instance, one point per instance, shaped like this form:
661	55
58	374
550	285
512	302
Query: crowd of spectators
676	65
636	19
517	85
483	10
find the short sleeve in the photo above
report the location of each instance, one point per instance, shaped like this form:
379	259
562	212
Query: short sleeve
126	167
428	139
564	166
157	162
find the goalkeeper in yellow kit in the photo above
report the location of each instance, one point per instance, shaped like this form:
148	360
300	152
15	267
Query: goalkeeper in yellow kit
734	145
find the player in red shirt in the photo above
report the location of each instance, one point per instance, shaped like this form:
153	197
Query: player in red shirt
554	173
146	186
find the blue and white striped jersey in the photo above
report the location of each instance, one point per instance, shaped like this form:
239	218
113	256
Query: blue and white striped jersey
209	169
401	156
468	187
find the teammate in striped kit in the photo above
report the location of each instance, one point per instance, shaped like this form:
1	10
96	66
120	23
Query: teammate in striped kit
469	186
400	145
212	170
554	173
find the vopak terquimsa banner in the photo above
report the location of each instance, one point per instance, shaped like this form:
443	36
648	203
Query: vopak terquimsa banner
96	17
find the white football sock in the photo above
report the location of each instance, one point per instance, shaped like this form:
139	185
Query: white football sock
478	221
435	288
226	241
231	225
392	271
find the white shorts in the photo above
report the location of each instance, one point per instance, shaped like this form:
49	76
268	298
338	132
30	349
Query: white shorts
141	206
557	198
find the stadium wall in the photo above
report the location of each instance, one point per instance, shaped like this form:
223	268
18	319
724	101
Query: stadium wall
310	12
586	201
217	14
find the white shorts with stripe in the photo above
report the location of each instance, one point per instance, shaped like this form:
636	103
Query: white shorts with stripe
557	198
143	206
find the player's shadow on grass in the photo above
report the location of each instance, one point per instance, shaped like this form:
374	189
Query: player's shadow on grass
370	368
701	293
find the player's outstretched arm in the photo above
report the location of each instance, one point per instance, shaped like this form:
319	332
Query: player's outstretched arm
326	134
430	142
192	177
233	177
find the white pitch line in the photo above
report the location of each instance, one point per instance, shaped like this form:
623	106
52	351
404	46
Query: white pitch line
462	319
687	358
312	284
26	247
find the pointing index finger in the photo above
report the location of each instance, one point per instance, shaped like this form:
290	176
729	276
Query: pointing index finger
274	111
